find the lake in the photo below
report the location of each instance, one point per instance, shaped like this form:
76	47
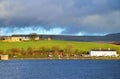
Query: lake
60	69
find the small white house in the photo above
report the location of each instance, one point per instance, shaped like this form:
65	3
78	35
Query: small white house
4	57
103	53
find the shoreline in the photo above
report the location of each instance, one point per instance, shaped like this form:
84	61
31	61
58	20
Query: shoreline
83	58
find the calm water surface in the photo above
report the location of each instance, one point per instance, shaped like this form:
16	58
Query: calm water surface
60	69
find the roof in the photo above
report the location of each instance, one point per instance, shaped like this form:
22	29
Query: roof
102	50
109	49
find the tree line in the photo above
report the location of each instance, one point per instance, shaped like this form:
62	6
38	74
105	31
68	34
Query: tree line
54	51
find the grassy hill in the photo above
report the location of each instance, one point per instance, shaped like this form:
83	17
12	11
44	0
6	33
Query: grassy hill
81	46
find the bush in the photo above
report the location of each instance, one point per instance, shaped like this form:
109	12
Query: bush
1	52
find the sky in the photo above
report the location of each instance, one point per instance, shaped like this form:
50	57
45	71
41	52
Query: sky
59	17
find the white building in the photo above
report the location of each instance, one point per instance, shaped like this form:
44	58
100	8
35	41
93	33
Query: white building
103	53
4	57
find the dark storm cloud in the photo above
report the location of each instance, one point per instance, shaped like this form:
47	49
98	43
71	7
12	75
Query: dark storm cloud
74	16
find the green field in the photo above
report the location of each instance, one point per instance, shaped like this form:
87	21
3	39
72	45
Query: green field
81	46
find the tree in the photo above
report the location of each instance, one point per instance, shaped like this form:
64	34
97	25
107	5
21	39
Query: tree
1	51
30	51
33	36
69	49
55	49
15	51
44	51
23	51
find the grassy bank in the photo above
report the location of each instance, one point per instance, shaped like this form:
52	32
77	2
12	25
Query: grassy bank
81	46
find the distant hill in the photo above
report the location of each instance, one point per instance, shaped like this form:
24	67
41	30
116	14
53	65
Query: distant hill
113	35
106	38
